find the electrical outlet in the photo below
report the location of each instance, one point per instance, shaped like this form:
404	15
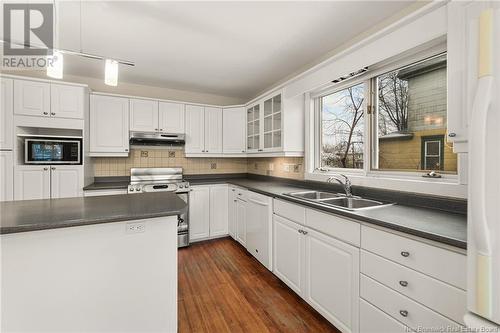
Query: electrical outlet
286	167
255	166
270	167
133	228
171	154
144	153
213	165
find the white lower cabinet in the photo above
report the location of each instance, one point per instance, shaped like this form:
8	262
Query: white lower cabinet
218	210
259	214
241	224
289	253
208	212
46	181
199	210
231	209
6	176
332	279
372	320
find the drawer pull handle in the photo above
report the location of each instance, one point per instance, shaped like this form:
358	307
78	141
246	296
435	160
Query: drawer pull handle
403	283
405	253
404	313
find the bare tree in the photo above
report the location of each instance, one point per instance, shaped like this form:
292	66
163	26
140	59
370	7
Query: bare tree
342	125
393	103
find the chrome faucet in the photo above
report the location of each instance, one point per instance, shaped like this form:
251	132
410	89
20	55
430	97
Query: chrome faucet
344	181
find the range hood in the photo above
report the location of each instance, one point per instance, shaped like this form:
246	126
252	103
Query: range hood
157	139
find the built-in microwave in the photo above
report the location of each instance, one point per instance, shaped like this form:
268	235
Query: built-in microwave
52	151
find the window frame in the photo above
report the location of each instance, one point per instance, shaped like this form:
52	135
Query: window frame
370	135
423	155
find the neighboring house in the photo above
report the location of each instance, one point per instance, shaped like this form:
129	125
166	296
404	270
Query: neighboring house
422	146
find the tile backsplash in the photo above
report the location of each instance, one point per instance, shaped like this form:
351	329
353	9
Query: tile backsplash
158	158
287	167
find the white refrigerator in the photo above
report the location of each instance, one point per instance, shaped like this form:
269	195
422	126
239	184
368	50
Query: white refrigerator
483	253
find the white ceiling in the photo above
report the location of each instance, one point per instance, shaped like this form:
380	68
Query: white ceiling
232	49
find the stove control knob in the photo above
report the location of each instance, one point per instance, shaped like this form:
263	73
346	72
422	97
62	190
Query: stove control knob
187	185
131	189
138	189
181	186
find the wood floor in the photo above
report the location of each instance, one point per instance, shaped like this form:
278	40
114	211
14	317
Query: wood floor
222	288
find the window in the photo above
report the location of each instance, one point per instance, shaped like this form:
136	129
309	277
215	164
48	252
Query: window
401	109
432	152
342	128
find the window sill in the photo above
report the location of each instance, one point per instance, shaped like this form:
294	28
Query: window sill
447	186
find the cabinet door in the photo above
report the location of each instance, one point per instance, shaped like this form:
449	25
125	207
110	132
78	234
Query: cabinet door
241	224
32	182
332	279
6	176
31	98
371	319
199	213
195	129
259	223
143	115
109	119
233	130
272	123
66	101
289	253
171	118
6	114
232	212
218	210
213	130
253	128
66	181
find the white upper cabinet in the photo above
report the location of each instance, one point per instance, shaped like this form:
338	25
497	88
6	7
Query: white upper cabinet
143	115
213	130
6	176
171	118
32	182
109	126
203	130
195	129
6	114
233	130
66	101
275	125
31	98
66	181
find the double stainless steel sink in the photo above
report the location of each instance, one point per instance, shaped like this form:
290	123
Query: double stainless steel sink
337	200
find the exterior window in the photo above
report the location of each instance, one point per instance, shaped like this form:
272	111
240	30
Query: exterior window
432	152
342	128
410	118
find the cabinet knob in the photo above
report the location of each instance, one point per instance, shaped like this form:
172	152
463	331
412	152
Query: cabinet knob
45	113
403	283
126	149
452	135
45	169
53	113
156	129
405	253
404	313
304	232
161	129
53	168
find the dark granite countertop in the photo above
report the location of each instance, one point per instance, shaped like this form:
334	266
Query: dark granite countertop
30	215
108	183
435	218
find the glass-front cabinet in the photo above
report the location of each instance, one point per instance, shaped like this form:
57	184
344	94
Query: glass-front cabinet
264	123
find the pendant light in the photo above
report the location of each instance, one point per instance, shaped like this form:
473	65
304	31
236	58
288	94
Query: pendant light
111	73
55	65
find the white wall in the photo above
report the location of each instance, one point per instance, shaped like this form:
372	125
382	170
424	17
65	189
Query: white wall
125	88
96	278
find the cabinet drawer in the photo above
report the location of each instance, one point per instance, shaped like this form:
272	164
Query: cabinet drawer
373	320
290	211
444	265
441	297
335	226
409	312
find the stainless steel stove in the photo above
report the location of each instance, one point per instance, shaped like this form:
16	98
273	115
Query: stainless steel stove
160	180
